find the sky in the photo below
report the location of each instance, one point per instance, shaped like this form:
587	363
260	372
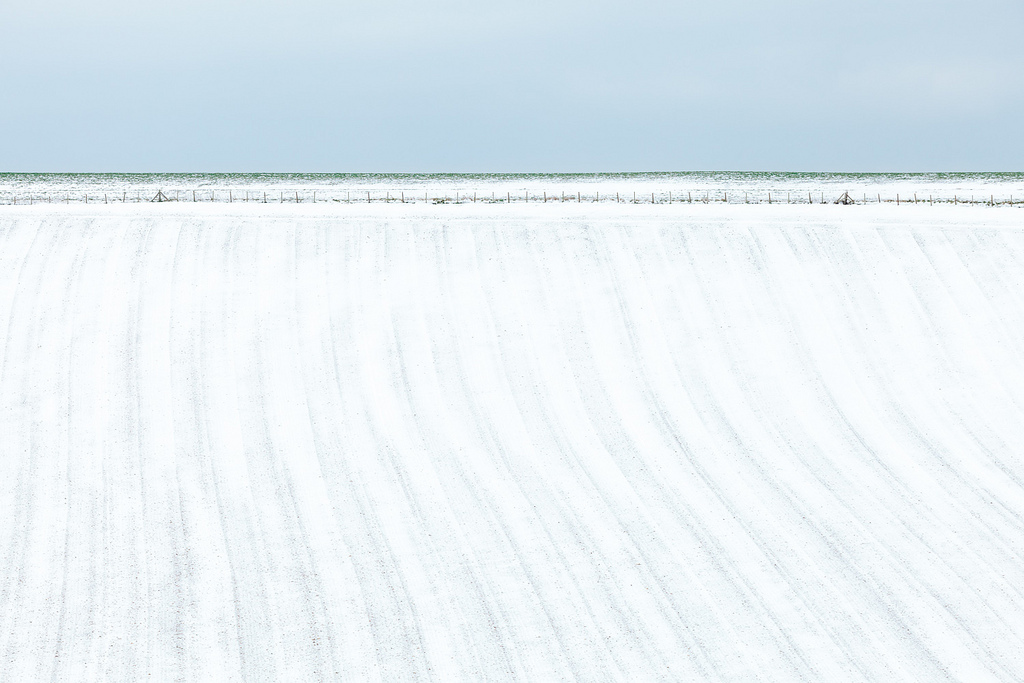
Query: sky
555	85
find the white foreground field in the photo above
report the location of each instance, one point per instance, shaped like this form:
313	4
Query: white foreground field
503	443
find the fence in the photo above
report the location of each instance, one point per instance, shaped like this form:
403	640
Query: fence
333	196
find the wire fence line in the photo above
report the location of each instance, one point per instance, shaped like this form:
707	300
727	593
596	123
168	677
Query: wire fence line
333	196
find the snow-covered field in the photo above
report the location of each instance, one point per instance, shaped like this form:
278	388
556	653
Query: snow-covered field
690	187
482	442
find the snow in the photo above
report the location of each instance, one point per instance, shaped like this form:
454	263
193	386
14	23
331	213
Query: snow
735	187
485	442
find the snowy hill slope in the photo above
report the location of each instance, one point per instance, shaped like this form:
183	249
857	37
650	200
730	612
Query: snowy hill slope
487	443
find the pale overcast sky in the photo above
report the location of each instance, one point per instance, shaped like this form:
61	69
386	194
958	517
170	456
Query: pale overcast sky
561	85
